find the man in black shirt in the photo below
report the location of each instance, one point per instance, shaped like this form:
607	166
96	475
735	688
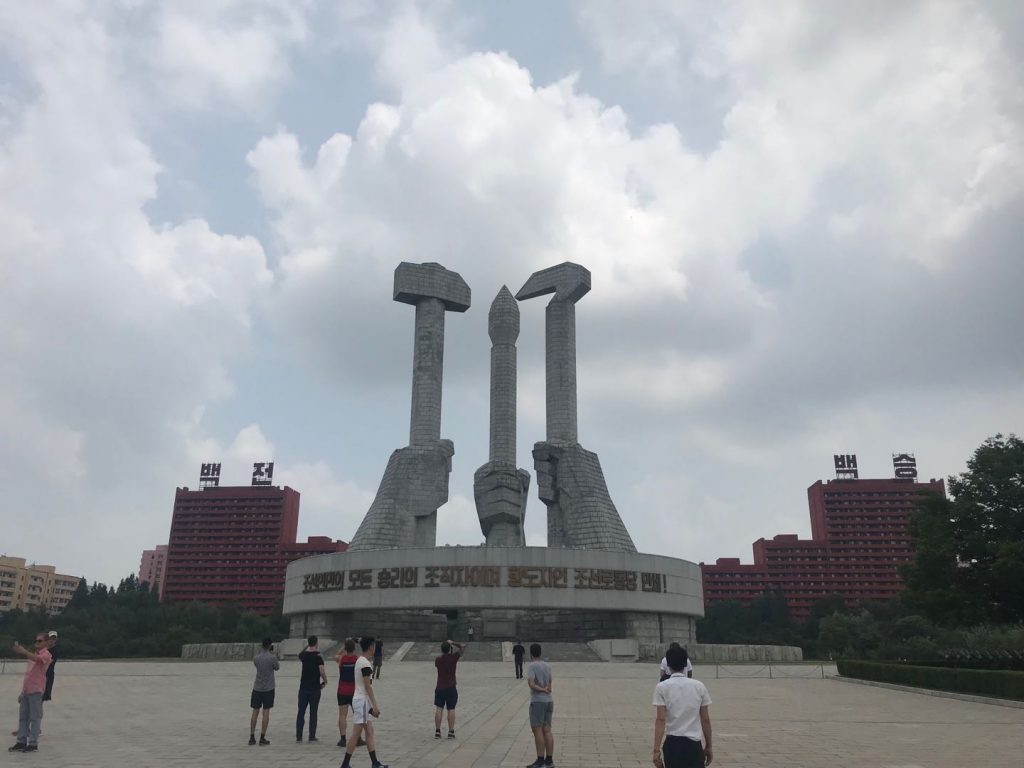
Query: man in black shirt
517	653
378	658
51	644
311	683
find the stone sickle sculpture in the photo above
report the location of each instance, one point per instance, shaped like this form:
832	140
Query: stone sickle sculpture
415	483
499	487
569	478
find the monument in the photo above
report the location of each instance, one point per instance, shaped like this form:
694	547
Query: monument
588	583
499	487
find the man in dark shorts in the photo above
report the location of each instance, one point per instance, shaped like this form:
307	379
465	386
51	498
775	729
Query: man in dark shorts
347	658
266	664
542	707
517	654
683	718
311	682
446	692
378	658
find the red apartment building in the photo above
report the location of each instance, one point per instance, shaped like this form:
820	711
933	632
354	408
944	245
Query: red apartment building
859	538
151	568
233	544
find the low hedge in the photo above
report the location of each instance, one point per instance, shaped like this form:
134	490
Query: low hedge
982	682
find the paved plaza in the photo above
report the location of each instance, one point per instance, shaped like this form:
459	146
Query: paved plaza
138	714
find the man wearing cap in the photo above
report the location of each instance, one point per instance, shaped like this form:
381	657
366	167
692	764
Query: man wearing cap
33	684
51	646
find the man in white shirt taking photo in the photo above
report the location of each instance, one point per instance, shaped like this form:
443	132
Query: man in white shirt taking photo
682	719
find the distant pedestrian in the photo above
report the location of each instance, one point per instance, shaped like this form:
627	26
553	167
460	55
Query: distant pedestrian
666	672
446	691
683	718
518	652
263	687
51	646
364	706
311	682
378	657
30	713
347	658
542	707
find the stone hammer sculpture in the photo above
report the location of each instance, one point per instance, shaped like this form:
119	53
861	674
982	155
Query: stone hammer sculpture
415	483
569	478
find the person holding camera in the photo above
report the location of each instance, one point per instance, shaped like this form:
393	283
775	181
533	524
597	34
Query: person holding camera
311	682
446	692
262	697
30	714
364	706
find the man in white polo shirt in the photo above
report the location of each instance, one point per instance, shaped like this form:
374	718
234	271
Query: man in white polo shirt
683	718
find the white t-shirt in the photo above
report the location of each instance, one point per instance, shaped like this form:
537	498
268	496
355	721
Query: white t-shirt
361	663
687	670
682	698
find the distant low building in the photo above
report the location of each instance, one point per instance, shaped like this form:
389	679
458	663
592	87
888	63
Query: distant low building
233	544
25	586
859	538
152	566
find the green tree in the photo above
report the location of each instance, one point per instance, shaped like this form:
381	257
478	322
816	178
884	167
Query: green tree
969	549
849	635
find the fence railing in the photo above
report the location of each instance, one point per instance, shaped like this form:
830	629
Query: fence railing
767	671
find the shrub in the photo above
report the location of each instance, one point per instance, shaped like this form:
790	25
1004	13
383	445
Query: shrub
983	682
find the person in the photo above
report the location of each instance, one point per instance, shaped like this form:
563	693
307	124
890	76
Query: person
364	706
682	718
378	657
262	697
51	646
517	654
542	707
666	672
446	692
30	713
311	682
347	658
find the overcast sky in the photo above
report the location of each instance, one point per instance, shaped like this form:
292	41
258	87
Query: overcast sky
804	226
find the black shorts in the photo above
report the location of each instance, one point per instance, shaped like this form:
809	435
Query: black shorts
446	698
681	752
262	700
344	699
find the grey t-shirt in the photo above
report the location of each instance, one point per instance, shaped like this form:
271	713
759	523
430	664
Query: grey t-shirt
539	673
265	663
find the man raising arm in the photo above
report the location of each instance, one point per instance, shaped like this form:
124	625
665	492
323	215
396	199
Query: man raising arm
31	698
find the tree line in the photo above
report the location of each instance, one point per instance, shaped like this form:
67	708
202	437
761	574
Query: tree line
130	621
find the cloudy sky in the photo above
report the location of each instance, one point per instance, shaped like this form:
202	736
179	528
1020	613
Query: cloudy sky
804	227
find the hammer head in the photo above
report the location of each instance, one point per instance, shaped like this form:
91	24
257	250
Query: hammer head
414	282
568	281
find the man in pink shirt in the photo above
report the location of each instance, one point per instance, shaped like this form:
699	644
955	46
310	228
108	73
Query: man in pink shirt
31	699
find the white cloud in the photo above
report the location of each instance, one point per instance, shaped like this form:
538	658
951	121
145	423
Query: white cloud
836	267
208	50
123	331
